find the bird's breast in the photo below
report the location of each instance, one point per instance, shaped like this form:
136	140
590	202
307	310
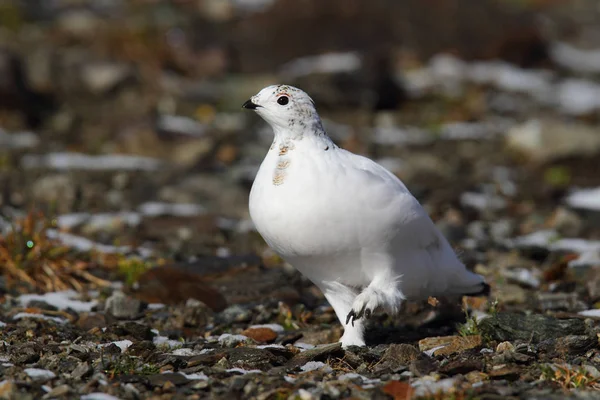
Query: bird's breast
296	208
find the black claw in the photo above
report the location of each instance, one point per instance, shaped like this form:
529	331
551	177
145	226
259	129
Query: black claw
360	314
350	315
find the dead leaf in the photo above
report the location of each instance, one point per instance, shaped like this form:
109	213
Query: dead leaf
398	390
433	301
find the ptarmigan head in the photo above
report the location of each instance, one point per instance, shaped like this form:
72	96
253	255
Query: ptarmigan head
285	108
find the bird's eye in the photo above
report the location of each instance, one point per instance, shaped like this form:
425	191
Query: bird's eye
283	100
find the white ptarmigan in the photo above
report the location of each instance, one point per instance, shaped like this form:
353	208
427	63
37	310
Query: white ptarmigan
344	221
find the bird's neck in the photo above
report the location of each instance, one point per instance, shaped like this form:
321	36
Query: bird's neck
311	131
291	142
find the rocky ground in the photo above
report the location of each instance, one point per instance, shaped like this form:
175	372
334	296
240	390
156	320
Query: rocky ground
130	268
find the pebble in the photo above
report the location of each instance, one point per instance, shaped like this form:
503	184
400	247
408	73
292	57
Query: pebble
446	345
121	306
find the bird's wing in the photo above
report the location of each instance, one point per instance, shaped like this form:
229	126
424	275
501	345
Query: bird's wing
392	215
388	204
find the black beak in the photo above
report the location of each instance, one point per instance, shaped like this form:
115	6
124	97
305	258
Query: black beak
250	105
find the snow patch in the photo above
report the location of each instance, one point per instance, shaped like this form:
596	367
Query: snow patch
18	140
22	315
77	161
274	327
98	221
231	340
244	371
184	351
198	376
122	344
98	396
590	313
61	300
156	209
578	60
587	199
84	244
165	341
316	365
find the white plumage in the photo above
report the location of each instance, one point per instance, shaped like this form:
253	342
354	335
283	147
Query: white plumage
344	221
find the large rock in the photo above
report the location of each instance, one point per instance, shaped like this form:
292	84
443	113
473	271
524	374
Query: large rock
534	328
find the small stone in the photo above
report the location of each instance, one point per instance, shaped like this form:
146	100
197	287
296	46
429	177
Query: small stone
58	391
423	366
141	349
398	357
205	359
129	387
252	358
316	366
403	353
122	306
39	375
560	302
42	305
509	373
79	348
320	337
80	23
575	344
88	321
476	376
512	294
304	394
27	354
229	340
223	363
59	189
235	313
8	389
261	335
99	78
566	222
428	386
196	314
317	354
547	140
111	348
160	380
446	345
504	347
462	366
168	385
81	371
522	276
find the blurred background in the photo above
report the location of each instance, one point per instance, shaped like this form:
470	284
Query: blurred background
121	122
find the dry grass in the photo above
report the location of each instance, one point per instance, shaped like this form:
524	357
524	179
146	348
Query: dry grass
570	377
29	259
